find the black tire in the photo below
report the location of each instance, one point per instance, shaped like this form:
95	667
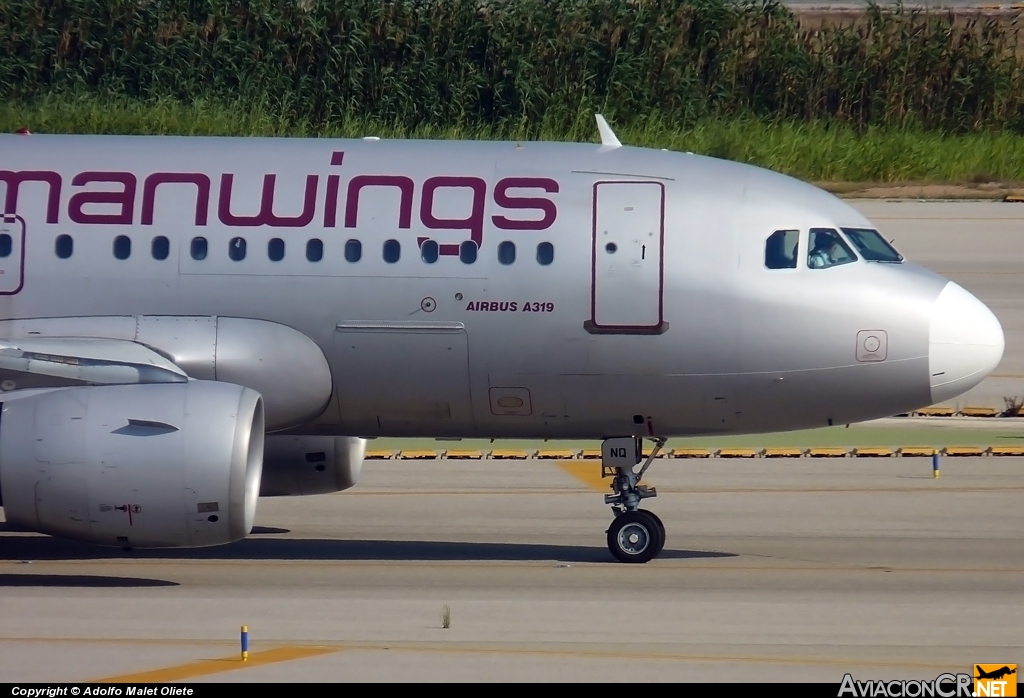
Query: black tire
635	536
661	544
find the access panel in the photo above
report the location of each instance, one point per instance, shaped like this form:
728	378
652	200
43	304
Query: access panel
403	377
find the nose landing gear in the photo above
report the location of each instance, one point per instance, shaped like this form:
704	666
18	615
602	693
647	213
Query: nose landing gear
635	535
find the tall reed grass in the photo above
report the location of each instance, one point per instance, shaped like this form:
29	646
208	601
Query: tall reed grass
530	65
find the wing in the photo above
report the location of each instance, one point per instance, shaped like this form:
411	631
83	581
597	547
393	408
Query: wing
66	361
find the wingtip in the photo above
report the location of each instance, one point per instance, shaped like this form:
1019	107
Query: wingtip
607	135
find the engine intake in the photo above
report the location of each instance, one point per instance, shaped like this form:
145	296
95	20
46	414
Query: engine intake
164	465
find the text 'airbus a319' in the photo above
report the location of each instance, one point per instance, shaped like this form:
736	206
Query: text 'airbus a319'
189	323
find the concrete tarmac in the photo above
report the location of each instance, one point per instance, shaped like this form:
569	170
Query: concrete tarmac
798	569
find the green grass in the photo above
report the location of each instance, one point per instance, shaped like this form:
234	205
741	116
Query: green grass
810	151
525	62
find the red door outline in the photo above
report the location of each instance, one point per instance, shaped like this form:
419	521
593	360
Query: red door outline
13	225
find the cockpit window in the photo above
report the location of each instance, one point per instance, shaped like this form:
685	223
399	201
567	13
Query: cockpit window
827	249
781	249
872	246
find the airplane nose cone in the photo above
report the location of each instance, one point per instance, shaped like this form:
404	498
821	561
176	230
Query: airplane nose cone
965	343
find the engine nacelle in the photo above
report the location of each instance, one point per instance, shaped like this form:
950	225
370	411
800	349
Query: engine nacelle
164	465
301	465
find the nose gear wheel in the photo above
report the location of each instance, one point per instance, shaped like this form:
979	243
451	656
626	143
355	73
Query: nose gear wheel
635	536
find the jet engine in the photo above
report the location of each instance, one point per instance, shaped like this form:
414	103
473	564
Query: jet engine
301	465
159	465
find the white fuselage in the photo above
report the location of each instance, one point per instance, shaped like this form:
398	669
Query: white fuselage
573	291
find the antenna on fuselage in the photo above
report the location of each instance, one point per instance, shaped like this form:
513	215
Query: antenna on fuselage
607	135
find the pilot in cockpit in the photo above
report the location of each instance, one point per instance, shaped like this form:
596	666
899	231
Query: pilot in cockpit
827	249
823	254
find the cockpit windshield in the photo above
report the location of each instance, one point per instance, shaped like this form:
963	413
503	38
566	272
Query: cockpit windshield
872	246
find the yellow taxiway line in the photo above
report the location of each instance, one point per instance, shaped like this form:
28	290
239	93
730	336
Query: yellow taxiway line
205	667
587	472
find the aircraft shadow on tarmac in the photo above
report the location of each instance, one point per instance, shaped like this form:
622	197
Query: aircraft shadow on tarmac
79	581
37	547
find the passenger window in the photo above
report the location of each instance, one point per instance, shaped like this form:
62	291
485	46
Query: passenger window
467	252
314	250
507	253
161	247
781	249
6	244
872	246
64	246
827	249
275	249
198	248
429	251
236	249
353	251
122	247
392	251
545	253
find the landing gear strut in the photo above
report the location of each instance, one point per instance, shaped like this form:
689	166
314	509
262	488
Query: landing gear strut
635	535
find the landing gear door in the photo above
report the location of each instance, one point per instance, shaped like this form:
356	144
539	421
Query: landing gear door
12	254
628	244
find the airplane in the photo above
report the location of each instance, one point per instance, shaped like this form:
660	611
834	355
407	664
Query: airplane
994	674
188	323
